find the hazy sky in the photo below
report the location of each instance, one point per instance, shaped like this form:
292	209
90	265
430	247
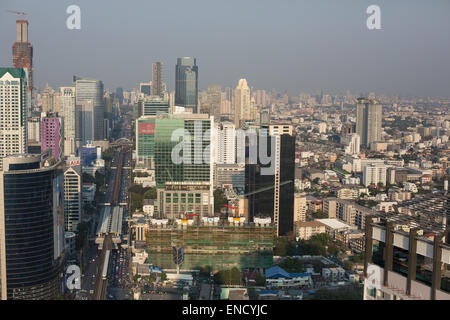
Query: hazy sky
293	45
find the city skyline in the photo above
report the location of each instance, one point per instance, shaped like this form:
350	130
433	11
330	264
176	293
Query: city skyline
281	48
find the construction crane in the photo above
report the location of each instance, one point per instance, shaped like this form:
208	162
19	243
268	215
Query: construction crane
21	15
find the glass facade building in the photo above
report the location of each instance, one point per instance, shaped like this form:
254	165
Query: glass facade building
186	83
31	214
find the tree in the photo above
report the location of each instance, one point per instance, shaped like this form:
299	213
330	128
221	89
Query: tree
163	276
319	214
348	265
260	280
150	194
219	199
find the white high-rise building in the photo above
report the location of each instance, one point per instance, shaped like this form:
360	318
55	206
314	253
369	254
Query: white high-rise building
374	174
242	105
226	143
72	198
354	144
67	105
14	106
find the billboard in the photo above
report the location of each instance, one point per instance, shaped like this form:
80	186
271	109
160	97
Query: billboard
146	128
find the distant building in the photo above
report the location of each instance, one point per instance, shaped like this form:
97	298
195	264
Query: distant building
52	134
186	83
368	121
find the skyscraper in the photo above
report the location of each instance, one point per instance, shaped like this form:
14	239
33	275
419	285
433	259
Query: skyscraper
214	98
14	102
272	194
242	107
186	83
72	198
90	109
368	121
23	51
31	228
226	143
52	133
157	87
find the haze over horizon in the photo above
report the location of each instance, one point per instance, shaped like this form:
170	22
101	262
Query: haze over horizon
297	46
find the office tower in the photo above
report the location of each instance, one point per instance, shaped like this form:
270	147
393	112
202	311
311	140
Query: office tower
109	113
50	100
67	105
368	121
214	98
52	133
198	126
271	186
23	52
192	170
374	174
14	102
242	107
145	141
226	143
152	105
72	198
157	85
90	108
186	83
31	228
407	254
119	93
145	88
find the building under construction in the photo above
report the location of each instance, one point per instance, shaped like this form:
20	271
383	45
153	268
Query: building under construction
219	243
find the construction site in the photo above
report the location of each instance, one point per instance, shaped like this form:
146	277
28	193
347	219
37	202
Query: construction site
219	243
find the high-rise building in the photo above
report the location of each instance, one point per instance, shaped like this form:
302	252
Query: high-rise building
31	228
242	105
52	134
145	141
186	83
226	145
90	108
50	100
374	174
23	52
67	105
14	102
196	164
157	85
271	185
214	98
72	198
353	144
145	88
150	106
368	121
34	130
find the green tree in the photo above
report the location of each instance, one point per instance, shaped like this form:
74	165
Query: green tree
219	199
150	194
260	280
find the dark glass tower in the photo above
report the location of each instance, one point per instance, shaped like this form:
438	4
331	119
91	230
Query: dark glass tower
186	83
272	195
32	229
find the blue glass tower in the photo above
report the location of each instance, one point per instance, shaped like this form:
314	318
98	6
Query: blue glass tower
186	83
